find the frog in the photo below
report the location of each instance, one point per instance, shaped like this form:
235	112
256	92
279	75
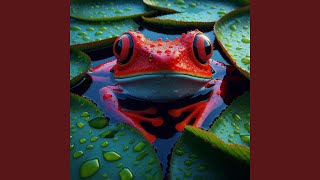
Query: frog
153	78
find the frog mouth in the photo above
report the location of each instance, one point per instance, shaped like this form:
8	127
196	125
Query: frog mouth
160	75
163	86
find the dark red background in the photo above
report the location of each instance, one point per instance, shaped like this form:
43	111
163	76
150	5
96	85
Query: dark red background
35	90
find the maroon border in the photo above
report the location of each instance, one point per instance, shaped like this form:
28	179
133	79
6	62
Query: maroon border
284	86
35	90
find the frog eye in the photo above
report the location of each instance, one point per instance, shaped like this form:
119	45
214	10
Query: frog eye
123	48
202	48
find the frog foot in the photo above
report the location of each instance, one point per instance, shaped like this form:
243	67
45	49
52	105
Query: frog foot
139	116
196	112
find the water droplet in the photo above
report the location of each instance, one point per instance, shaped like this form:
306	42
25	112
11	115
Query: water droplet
111	156
179	152
98	33
245	40
125	148
71	146
90	29
222	12
236	117
82	140
128	9
131	141
179	2
142	155
188	162
84	114
246	60
231	136
245	27
104	175
80	125
89	146
108	133
192	4
93	139
77	154
83	34
104	144
126	174
75	28
118	12
98	122
139	147
103	28
151	161
233	27
245	138
89	168
119	165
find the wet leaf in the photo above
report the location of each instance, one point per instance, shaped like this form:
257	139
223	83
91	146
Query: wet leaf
98	10
195	156
79	65
233	34
232	129
91	35
109	152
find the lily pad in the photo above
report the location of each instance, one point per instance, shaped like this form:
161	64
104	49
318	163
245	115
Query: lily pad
233	34
195	13
185	19
79	66
91	35
195	157
232	129
99	151
98	10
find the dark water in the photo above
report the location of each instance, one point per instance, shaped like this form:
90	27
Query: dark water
234	84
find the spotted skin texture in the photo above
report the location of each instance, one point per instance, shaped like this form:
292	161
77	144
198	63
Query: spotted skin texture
163	56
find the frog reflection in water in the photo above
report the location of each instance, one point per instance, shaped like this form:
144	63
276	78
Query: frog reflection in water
162	84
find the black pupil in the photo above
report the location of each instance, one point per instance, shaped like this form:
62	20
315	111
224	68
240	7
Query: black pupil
207	47
118	47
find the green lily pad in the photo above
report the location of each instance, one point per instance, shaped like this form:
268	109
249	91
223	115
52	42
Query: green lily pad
195	157
79	66
192	6
98	10
233	34
91	35
182	19
232	129
99	151
195	13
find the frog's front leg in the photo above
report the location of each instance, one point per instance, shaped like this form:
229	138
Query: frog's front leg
132	117
200	110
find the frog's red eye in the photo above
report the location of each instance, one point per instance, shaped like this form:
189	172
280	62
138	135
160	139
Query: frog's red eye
202	48
123	48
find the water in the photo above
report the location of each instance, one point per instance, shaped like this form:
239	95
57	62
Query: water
233	85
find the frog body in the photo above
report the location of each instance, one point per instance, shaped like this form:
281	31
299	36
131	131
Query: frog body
169	83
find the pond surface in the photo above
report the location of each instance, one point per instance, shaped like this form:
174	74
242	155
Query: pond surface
233	84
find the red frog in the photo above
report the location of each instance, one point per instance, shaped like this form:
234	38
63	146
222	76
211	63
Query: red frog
161	83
